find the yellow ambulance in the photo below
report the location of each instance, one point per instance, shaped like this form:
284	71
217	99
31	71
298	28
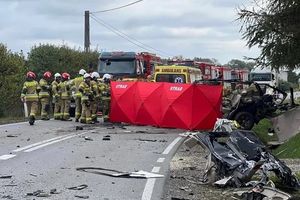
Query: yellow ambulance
176	74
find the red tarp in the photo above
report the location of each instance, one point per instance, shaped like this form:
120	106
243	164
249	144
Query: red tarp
186	106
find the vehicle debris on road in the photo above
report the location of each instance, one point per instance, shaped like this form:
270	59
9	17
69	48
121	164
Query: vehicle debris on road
236	156
79	187
106	137
119	174
82	196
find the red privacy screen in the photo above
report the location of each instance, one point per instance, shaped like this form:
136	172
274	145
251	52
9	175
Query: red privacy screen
169	105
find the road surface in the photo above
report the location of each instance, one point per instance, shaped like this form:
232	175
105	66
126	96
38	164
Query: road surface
45	157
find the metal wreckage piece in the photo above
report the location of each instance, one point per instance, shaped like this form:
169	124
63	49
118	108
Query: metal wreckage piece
235	156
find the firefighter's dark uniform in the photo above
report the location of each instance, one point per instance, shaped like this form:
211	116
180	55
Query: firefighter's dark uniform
44	96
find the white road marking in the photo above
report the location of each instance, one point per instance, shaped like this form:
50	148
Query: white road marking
13	124
160	160
148	190
39	143
169	148
155	169
53	142
6	157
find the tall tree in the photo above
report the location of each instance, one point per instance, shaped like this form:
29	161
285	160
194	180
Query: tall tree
12	72
273	26
235	63
60	59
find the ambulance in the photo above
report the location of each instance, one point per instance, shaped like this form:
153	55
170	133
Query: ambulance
177	74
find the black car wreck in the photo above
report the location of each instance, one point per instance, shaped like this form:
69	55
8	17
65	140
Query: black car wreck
237	158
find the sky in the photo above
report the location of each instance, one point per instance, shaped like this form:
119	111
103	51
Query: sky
191	28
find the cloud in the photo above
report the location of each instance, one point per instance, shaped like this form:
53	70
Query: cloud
194	28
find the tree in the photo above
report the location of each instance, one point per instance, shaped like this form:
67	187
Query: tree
60	59
273	26
235	63
12	70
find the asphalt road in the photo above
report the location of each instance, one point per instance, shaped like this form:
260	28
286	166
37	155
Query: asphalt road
45	157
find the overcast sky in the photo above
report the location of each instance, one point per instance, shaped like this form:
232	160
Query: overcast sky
192	28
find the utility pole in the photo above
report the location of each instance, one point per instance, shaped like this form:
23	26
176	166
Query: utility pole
86	31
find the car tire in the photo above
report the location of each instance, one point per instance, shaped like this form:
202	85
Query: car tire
245	120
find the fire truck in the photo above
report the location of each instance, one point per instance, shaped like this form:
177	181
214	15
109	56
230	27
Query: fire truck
127	65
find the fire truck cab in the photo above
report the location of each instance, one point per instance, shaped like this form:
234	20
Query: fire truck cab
127	65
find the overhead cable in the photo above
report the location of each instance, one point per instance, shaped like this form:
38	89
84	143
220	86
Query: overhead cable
130	4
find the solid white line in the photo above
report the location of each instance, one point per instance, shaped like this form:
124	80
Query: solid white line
12	124
148	190
169	148
160	160
155	169
6	157
52	142
39	143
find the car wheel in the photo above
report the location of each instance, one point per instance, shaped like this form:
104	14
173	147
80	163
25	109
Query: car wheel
245	120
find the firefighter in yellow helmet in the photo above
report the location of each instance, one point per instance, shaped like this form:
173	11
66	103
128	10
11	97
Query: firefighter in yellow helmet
44	95
56	94
75	87
64	86
30	96
87	95
96	94
105	96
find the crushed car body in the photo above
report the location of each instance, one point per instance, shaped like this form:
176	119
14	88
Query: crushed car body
238	158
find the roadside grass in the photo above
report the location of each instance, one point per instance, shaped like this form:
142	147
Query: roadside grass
7	120
262	129
289	149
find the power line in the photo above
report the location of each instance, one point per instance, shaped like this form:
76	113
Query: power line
101	11
118	33
129	38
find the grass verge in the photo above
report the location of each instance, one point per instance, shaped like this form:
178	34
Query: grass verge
7	120
262	129
289	149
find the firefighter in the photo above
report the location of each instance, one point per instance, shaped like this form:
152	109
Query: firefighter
44	95
87	95
75	87
96	93
64	86
105	96
56	94
30	96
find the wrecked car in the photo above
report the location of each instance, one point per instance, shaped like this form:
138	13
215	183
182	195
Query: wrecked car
237	158
253	104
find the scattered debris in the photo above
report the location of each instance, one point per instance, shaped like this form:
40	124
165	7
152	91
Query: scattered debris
11	185
235	156
127	131
88	138
7	197
106	137
82	196
122	127
186	188
11	135
79	128
260	192
54	191
112	127
79	187
141	131
5	177
28	139
120	174
33	175
146	140
38	193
